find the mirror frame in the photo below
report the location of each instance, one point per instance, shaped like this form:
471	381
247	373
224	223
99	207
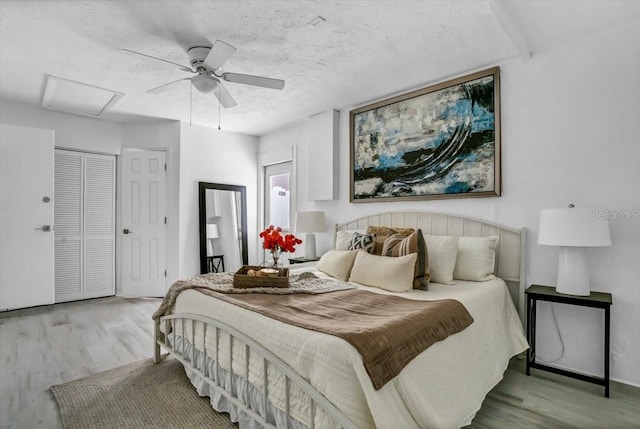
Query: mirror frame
203	186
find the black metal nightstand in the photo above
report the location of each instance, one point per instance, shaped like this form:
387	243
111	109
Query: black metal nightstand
601	300
302	260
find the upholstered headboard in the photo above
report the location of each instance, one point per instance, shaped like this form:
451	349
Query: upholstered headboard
510	256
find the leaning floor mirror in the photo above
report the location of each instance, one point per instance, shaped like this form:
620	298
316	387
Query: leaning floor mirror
223	227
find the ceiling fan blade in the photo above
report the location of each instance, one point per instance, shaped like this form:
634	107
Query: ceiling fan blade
218	55
248	79
226	100
182	67
161	87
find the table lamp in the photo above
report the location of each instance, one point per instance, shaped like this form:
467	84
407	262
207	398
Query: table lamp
310	222
573	229
212	233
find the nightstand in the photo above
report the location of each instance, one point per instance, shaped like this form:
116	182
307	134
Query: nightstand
601	300
302	260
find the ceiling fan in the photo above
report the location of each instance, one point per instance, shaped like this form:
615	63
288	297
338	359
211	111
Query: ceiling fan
206	63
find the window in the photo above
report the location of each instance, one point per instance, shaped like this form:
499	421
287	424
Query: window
277	207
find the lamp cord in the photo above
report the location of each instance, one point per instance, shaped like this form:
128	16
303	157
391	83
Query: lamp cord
555	322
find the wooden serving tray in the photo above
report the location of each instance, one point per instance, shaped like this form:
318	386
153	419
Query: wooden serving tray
242	280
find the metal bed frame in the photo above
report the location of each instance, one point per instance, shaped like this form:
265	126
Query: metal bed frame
251	348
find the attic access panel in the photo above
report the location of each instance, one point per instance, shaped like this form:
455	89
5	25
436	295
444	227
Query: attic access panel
70	96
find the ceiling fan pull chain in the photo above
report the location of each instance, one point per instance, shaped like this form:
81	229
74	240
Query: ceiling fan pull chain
218	114
190	102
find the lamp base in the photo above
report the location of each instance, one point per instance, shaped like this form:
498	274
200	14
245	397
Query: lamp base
573	272
310	246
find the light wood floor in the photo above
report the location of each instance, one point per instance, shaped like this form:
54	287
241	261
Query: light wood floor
53	344
48	345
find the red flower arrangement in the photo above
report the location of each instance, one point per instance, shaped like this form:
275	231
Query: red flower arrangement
276	243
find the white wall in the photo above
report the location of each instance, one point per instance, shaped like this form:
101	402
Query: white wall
211	155
569	134
71	131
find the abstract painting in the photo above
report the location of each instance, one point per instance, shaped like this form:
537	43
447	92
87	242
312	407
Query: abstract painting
442	141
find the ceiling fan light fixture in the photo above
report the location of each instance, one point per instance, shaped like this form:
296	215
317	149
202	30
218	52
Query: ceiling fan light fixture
205	84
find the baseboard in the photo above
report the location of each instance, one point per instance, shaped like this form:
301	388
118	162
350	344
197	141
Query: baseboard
617	380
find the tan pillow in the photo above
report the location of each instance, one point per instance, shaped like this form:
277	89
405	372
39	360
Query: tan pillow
397	245
443	252
382	232
476	258
384	272
337	263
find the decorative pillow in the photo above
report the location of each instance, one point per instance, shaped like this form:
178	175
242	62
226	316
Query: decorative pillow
362	241
397	245
344	237
337	263
392	274
476	258
382	232
443	252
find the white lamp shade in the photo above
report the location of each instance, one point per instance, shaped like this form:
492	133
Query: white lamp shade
310	222
212	231
573	227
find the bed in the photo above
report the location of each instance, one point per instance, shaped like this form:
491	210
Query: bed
266	373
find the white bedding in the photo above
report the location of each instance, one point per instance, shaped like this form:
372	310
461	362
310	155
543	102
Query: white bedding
441	388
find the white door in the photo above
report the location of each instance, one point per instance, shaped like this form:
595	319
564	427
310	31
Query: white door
99	225
26	217
144	214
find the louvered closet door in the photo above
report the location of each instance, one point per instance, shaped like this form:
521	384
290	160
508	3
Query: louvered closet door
68	178
99	225
84	215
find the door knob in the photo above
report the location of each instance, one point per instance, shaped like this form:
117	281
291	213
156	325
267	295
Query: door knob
127	231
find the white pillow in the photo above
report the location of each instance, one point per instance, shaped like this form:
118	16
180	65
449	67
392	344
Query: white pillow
394	274
476	258
343	238
337	263
443	252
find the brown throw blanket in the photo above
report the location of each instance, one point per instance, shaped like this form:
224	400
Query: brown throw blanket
387	331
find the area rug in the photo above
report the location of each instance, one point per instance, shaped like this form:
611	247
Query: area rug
136	396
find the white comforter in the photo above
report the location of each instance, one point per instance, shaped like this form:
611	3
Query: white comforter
441	388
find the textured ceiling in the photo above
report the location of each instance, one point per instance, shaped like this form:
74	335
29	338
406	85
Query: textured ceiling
364	50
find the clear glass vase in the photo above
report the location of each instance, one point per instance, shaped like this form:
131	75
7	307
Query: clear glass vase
275	258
